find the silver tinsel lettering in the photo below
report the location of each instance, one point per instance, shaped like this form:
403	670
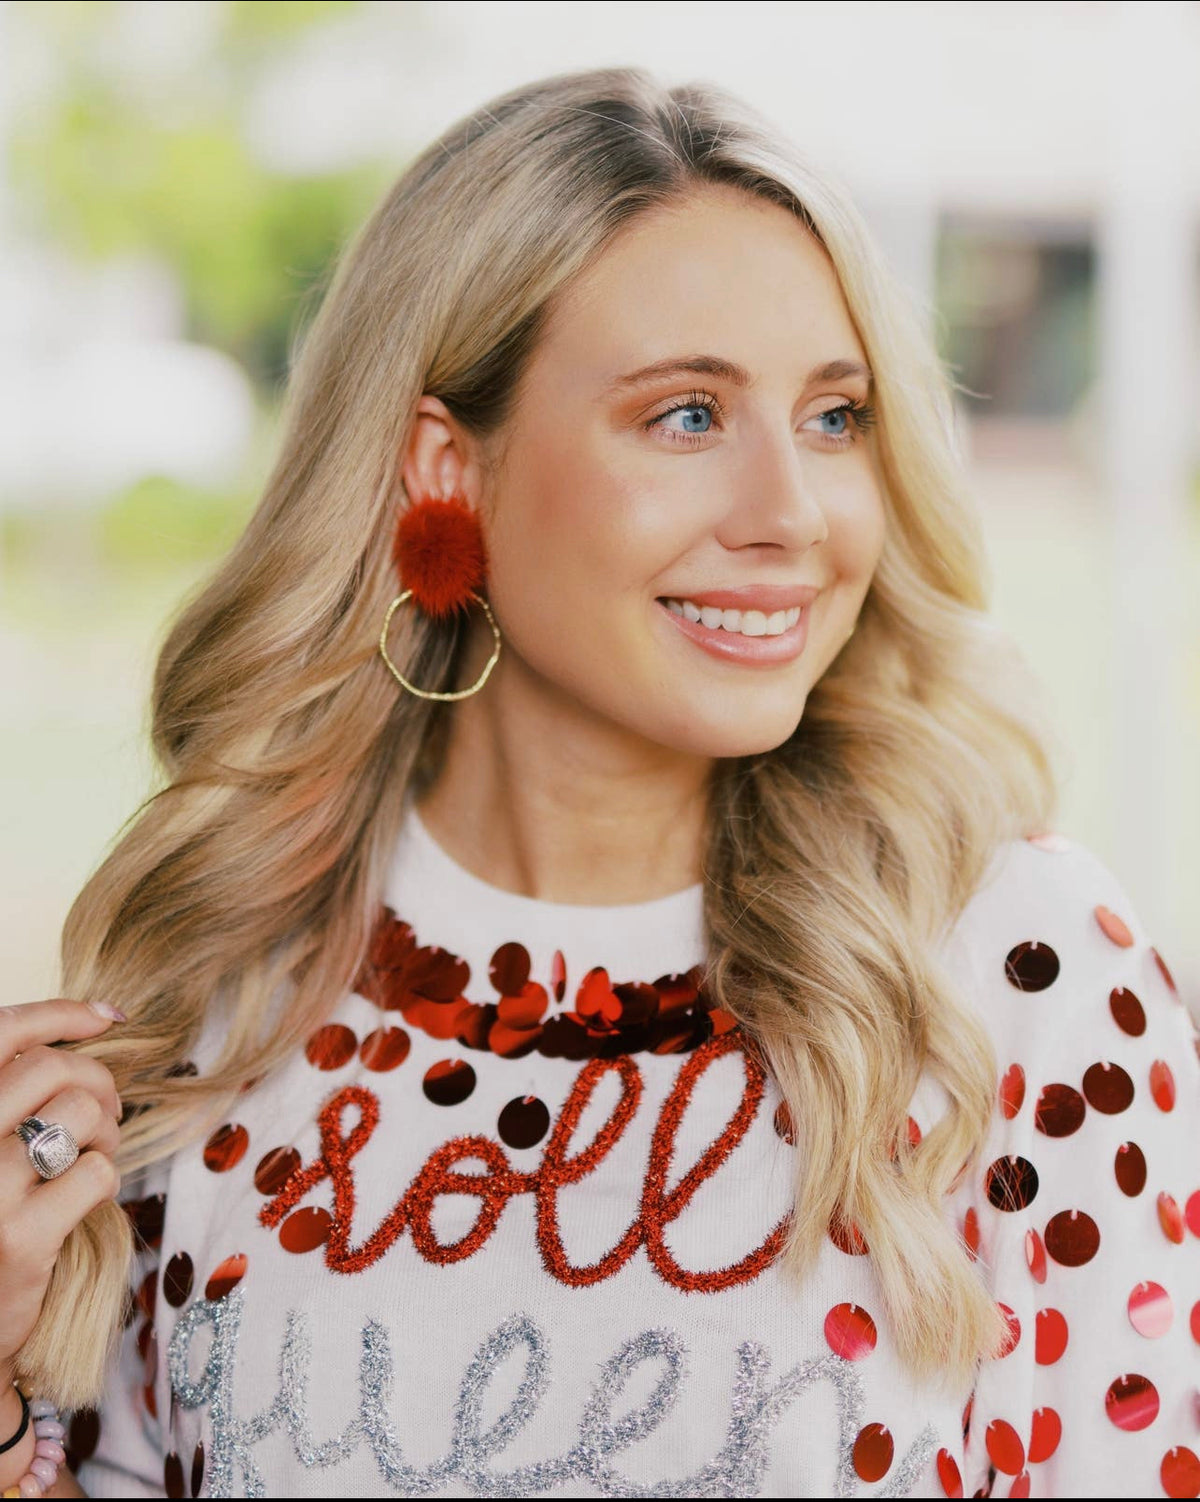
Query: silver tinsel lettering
737	1470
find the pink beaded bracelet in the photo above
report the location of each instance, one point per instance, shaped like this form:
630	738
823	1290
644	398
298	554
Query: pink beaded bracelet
48	1452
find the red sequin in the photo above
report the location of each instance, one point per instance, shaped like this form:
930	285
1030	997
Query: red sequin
1128	1012
949	1474
1011	1183
178	1276
1035	1255
846	1236
1108	1088
1012	1091
1005	1448
1180	1472
1031	966
873	1452
850	1332
1044	1435
306	1229
331	1046
1059	1111
1072	1238
385	1048
1191	1212
226	1147
226	1276
1129	1165
1170	1218
1150	1310
1050	1340
275	1168
1194	1321
1162	1085
448	1082
971	1231
1013	1336
1020	1487
1114	928
1131	1402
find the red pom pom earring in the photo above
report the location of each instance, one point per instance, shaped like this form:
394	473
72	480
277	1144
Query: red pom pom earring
439	553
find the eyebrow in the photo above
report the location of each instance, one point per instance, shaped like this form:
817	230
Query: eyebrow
727	370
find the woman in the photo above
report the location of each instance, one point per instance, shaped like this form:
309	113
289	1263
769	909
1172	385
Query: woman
626	1029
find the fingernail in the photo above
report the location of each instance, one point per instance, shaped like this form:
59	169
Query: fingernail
103	1009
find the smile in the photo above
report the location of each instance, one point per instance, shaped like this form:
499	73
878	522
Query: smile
751	637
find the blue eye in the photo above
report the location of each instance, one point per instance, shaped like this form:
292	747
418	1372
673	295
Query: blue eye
838	415
695	419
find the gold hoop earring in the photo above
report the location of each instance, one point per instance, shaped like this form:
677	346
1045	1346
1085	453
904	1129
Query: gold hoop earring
424	693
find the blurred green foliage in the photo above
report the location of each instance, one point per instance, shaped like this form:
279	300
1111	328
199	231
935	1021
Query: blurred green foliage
109	159
103	168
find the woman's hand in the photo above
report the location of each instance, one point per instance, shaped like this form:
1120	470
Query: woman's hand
36	1214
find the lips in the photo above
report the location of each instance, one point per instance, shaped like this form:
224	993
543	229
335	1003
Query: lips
765	597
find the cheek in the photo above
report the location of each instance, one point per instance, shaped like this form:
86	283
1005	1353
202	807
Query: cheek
857	523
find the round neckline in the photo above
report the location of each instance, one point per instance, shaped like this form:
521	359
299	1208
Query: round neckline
476	890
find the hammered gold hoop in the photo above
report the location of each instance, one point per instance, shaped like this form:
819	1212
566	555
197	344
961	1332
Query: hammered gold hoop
424	693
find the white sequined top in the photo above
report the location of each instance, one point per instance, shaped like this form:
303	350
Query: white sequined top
508	1226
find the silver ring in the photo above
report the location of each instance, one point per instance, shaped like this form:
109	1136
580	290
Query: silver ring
51	1147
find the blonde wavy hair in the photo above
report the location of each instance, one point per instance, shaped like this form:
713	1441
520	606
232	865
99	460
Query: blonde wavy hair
835	863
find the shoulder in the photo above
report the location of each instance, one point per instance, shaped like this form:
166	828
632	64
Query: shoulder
1051	940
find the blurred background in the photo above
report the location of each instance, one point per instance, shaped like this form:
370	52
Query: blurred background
176	179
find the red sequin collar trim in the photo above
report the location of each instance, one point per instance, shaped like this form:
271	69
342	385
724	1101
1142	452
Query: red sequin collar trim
427	984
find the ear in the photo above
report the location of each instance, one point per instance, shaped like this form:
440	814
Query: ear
439	460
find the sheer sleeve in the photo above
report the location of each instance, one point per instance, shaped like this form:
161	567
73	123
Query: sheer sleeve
1086	1207
116	1450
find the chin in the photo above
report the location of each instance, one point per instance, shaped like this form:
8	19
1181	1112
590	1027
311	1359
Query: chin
730	735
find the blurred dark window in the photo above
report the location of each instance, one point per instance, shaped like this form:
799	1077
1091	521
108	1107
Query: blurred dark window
1015	302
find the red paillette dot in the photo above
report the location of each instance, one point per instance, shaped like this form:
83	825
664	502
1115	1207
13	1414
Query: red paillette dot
275	1169
1059	1111
197	1469
1150	1311
1020	1487
225	1276
1012	1091
1005	1448
1035	1256
784	1126
1072	1238
331	1046
448	1082
385	1048
1131	1402
178	1277
850	1332
226	1147
971	1231
1108	1088
306	1229
1162	1085
1170	1217
873	1451
523	1122
1191	1212
949	1474
1031	966
914	1132
1129	1165
1051	1338
1044	1435
1194	1321
1168	978
1114	928
558	975
173	1475
1180	1472
1012	1339
1011	1183
1128	1012
846	1236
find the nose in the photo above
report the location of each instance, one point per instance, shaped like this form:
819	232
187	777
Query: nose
775	501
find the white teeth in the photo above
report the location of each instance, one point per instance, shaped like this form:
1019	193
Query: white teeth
745	622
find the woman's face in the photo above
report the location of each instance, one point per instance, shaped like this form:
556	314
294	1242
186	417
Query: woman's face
734	488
